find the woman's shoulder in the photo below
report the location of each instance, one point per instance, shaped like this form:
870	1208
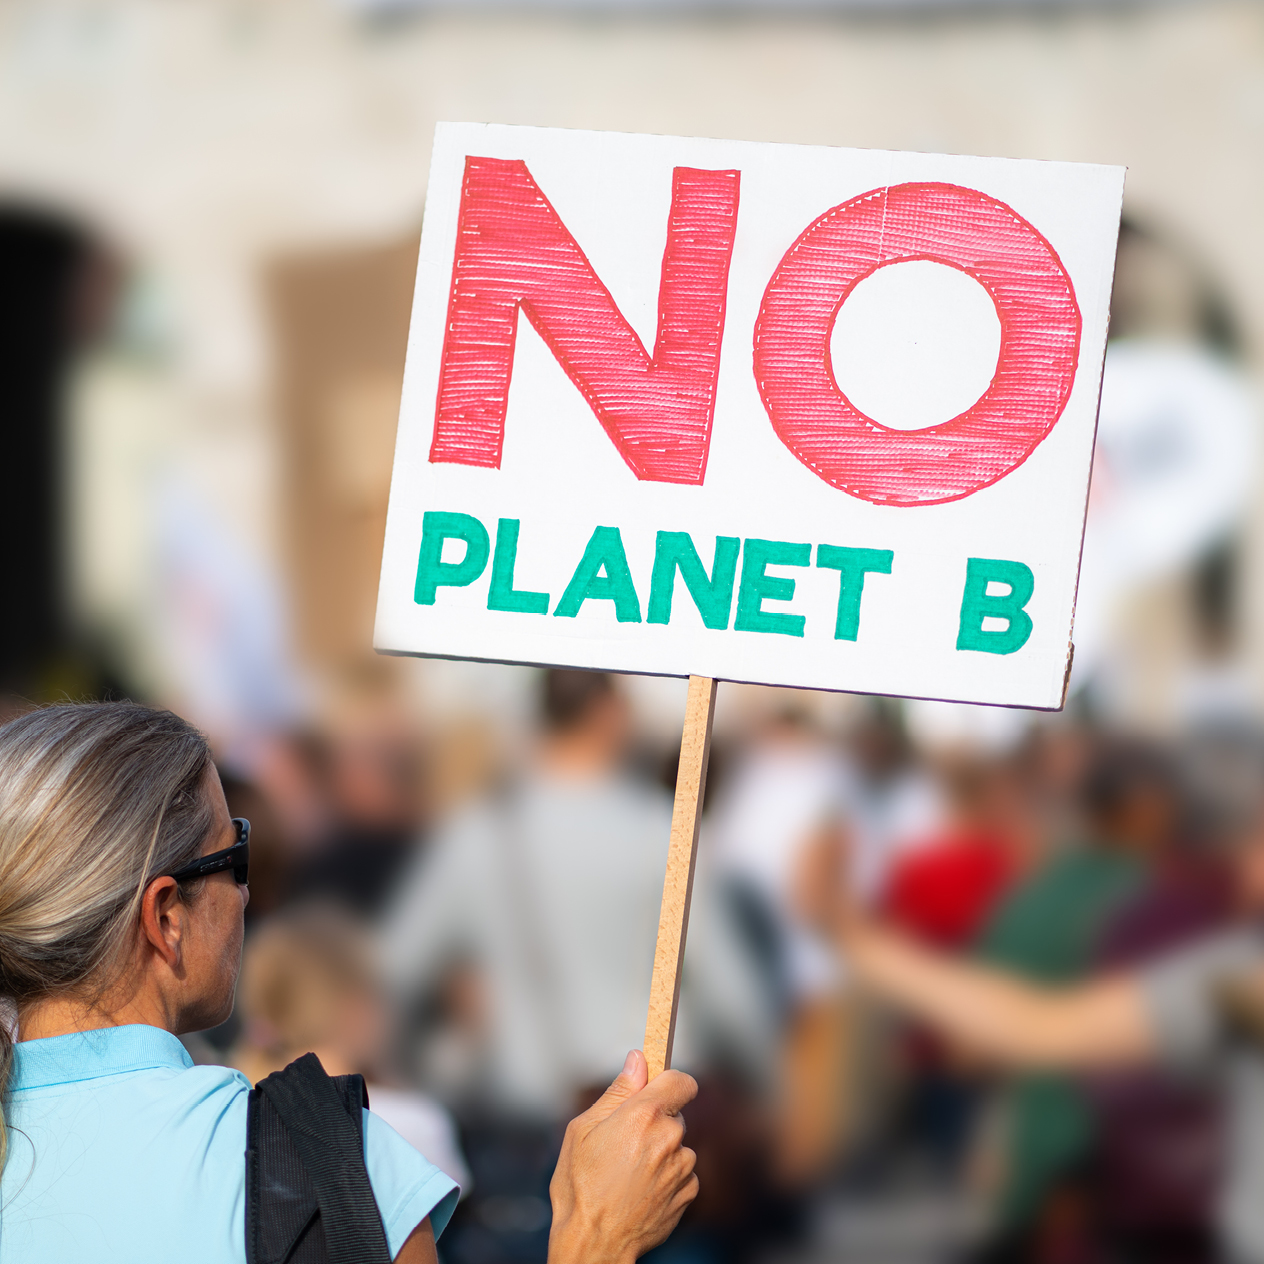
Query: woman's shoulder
209	1080
118	1127
407	1186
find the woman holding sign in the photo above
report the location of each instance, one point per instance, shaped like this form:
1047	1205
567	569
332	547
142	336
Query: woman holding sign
122	889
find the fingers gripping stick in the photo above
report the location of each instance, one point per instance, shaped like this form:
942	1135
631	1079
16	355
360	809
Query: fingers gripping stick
673	920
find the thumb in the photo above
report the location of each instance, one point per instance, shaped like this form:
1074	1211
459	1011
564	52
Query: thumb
630	1081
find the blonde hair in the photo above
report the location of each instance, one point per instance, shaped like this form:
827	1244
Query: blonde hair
297	967
96	800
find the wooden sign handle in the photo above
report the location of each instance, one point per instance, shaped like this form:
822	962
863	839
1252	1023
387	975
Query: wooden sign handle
673	920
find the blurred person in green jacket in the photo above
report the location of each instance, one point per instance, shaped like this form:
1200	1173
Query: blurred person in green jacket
1047	931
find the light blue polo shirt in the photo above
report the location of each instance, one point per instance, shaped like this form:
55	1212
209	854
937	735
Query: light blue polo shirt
121	1150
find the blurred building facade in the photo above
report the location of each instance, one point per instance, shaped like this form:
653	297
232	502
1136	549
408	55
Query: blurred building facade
262	169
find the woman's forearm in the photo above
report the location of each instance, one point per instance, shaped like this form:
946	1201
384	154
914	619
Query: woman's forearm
420	1247
998	1015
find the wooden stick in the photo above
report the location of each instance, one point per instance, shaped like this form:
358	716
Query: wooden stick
673	920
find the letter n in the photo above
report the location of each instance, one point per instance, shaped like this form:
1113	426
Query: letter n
513	252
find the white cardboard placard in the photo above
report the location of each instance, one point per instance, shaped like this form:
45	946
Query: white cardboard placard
871	368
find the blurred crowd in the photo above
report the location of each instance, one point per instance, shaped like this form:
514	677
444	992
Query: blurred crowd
481	952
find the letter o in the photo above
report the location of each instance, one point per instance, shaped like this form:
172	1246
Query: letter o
942	223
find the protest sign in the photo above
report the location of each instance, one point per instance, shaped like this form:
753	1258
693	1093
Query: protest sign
783	414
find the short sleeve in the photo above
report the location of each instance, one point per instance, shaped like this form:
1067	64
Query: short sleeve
1179	992
407	1186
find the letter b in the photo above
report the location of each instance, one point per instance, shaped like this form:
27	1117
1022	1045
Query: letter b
977	604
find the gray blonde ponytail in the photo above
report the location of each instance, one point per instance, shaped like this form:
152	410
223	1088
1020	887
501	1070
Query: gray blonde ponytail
96	800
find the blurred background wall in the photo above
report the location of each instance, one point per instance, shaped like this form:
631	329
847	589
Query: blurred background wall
256	173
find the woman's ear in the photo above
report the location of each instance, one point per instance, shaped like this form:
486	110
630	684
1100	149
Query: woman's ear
162	919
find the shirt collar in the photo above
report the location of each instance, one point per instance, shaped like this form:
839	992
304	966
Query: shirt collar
89	1055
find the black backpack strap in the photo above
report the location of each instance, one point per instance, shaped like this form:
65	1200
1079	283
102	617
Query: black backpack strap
308	1196
282	1215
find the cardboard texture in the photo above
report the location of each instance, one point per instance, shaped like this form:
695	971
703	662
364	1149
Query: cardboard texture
783	414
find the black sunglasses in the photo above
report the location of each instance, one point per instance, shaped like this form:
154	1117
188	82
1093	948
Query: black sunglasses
236	858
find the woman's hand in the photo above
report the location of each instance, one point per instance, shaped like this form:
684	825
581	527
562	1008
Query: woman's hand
624	1177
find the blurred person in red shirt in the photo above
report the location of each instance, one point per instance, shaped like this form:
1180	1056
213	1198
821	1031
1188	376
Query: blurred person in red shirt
945	888
942	891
